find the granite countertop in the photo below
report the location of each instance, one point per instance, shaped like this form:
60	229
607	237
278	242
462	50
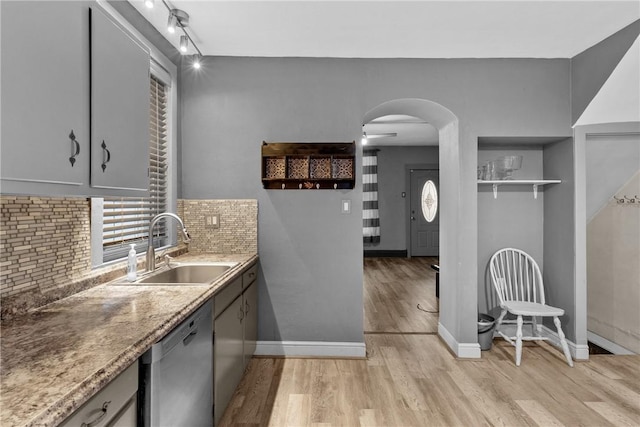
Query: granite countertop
57	357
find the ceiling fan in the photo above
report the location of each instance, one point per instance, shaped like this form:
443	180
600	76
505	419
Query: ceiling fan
367	136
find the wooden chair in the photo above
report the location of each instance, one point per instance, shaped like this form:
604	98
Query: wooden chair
517	279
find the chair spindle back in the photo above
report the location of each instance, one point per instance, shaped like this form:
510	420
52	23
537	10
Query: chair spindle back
516	276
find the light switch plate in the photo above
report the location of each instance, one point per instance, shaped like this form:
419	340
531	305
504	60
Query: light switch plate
345	206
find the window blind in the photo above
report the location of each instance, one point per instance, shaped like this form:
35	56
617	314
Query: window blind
126	220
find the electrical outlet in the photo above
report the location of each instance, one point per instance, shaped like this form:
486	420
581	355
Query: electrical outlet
212	221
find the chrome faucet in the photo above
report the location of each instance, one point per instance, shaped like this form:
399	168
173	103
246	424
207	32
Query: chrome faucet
151	252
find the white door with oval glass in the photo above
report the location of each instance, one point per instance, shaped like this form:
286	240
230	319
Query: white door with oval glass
424	218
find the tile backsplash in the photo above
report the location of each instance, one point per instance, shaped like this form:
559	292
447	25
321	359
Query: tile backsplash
45	245
238	225
44	242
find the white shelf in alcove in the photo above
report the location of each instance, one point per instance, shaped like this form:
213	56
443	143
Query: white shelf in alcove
534	182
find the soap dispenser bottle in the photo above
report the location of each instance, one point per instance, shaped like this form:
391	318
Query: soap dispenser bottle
131	266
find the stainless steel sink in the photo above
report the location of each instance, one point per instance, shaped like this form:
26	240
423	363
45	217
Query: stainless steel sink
185	274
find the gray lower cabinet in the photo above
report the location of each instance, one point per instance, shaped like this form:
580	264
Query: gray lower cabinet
68	72
235	332
228	356
250	321
113	406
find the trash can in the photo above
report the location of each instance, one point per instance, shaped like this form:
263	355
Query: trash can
486	325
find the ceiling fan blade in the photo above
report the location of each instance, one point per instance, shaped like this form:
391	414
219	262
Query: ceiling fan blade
381	135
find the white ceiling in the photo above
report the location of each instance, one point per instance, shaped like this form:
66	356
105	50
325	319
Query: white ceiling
397	29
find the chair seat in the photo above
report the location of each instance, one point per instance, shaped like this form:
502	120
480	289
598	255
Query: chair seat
524	308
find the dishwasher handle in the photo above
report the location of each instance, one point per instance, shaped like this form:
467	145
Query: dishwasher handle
186	340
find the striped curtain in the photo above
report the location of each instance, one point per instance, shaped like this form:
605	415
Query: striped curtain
370	215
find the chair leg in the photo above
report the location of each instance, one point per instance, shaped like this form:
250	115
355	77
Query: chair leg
534	325
519	340
563	341
499	321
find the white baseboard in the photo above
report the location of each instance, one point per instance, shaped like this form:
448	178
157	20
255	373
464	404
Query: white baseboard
578	352
461	350
608	345
311	349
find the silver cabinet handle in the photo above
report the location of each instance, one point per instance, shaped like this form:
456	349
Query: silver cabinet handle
98	420
246	307
75	148
240	313
189	337
106	156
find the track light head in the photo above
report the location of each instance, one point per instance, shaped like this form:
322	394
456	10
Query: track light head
197	59
149	3
184	43
171	24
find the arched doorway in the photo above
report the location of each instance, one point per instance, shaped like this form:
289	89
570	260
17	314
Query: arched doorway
457	309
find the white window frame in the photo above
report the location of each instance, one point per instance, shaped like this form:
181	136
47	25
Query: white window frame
166	71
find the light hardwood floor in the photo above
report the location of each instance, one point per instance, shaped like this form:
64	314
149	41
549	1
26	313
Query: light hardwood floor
413	380
393	288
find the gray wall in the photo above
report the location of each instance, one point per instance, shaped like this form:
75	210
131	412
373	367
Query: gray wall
391	184
610	164
591	68
515	219
559	234
311	254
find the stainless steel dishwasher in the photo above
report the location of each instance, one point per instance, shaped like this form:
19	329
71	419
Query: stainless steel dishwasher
177	375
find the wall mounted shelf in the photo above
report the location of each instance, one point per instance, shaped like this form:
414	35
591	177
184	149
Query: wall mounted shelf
534	182
308	166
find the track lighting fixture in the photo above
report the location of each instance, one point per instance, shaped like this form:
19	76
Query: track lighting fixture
149	3
365	140
179	19
171	24
184	43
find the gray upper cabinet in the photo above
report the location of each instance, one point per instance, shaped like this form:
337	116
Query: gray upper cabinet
45	95
119	107
72	78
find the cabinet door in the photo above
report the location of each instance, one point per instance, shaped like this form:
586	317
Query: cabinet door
45	96
228	355
119	107
250	321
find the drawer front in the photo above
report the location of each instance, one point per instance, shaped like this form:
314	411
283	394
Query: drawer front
249	276
108	402
128	416
224	297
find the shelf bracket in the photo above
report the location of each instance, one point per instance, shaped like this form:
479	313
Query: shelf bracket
495	191
535	191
